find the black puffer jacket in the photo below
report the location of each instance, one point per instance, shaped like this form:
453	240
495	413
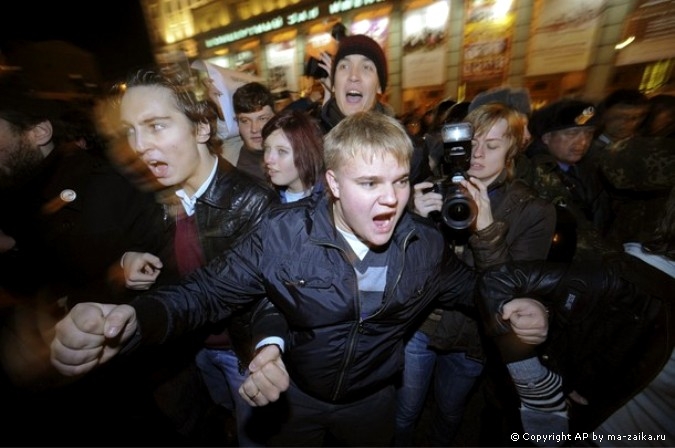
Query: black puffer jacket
611	327
295	257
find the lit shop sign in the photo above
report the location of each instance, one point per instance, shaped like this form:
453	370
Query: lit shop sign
291	19
347	5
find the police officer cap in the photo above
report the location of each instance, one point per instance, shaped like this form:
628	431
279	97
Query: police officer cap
563	114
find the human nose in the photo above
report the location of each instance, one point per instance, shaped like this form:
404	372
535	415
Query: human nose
388	195
477	150
139	142
353	73
585	137
256	126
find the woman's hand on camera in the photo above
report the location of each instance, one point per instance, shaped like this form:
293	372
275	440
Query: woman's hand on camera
426	200
478	192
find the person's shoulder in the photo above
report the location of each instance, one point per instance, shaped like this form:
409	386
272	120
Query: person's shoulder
521	191
82	163
240	177
423	227
289	218
529	200
543	159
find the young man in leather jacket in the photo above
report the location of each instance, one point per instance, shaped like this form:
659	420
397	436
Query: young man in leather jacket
209	207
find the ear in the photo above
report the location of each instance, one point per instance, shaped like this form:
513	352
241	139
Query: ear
379	89
546	138
203	132
331	180
41	133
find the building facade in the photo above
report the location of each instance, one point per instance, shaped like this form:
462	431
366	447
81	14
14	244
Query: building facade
436	48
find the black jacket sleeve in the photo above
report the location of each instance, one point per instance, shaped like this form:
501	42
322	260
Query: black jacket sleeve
569	290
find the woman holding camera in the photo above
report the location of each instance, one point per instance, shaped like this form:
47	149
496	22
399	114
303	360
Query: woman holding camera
510	223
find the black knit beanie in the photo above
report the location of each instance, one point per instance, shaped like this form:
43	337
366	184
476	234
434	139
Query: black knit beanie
366	46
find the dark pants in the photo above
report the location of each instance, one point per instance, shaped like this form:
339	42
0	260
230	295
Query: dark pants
312	422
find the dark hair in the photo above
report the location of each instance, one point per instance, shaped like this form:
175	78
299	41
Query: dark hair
628	97
440	112
306	139
457	112
197	108
23	109
252	97
658	105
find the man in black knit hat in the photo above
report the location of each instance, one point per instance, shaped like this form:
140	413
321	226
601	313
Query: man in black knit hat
358	79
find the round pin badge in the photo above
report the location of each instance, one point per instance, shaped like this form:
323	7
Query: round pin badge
68	195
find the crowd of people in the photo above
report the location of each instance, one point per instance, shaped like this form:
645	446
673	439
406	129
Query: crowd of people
183	266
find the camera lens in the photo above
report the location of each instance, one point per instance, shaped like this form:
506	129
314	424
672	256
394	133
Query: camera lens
458	211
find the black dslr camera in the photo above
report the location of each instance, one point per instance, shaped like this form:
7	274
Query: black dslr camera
312	69
458	210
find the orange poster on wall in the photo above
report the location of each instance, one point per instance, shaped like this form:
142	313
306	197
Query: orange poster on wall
488	31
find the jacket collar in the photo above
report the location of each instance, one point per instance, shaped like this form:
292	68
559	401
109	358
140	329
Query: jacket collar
215	192
331	114
323	230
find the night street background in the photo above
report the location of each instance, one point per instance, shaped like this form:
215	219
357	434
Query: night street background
114	32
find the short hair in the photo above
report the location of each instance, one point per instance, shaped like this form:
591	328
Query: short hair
24	109
367	134
306	139
625	97
252	97
456	113
198	108
484	117
659	104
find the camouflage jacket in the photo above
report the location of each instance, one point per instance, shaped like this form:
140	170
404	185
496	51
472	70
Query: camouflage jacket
638	174
582	197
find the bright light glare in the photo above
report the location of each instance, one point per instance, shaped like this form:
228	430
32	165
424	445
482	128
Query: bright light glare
501	9
437	15
625	43
413	24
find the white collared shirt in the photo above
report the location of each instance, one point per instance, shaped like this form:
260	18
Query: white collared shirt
190	201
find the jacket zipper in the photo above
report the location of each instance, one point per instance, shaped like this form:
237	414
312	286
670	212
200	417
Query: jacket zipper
358	328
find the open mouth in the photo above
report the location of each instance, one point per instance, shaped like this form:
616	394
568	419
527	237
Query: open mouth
354	96
384	221
157	167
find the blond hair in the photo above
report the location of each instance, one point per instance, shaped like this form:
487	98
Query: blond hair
484	117
368	135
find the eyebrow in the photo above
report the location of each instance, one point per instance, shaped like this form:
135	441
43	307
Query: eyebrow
380	178
148	121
